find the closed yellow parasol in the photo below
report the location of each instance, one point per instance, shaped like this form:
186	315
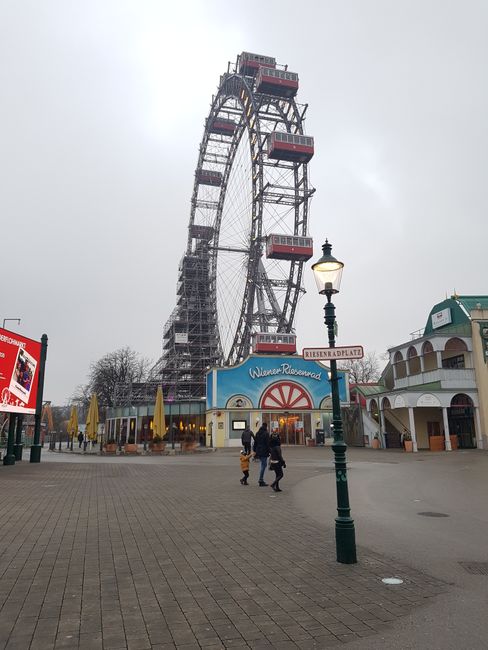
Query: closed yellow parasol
73	423
92	419
159	424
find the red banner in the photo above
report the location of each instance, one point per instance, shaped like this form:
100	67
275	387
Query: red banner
19	372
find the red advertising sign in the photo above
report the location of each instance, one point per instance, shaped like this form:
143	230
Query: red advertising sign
19	372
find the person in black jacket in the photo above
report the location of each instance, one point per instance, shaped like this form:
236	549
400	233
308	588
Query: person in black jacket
261	450
246	439
276	462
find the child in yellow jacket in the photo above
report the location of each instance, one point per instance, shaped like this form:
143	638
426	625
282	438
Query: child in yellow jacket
244	458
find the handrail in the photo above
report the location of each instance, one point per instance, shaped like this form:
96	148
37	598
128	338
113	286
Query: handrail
398	421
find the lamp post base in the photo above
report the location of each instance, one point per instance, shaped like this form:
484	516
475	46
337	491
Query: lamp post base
35	454
344	524
345	540
18	451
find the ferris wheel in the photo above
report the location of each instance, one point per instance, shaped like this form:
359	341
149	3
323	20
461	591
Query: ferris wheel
249	210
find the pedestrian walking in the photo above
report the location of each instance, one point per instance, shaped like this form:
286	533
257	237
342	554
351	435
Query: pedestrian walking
80	439
276	461
403	437
246	439
261	450
244	458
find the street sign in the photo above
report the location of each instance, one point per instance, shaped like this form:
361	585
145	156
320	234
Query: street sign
328	354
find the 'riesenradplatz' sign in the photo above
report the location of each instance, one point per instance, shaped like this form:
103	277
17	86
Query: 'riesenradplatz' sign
328	354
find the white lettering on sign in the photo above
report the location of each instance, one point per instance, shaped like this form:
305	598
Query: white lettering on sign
11	341
283	369
328	354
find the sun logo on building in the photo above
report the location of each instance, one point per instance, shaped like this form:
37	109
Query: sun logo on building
286	395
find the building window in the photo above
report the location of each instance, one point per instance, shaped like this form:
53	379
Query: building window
433	429
454	362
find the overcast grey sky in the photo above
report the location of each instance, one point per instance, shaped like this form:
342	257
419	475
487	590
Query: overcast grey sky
101	115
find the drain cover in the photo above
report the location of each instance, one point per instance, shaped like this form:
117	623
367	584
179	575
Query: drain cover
475	568
392	581
432	514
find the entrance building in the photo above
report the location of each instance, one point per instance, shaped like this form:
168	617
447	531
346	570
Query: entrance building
291	395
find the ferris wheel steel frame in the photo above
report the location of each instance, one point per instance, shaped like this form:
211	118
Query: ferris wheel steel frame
267	303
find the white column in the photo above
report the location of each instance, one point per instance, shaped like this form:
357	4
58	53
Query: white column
422	364
411	421
477	421
214	428
438	356
446	429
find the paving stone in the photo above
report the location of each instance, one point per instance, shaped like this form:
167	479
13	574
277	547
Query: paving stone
67	641
100	562
141	643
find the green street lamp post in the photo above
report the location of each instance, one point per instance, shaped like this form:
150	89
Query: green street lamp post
9	458
35	452
18	446
328	272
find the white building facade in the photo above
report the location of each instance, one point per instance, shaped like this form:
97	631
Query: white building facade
435	387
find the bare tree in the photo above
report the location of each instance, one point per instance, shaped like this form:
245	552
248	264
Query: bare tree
60	417
122	366
363	371
81	398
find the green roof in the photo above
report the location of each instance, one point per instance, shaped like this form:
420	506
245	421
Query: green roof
472	302
460	320
367	389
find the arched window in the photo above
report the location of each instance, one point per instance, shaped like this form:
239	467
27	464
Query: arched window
427	348
386	404
461	420
429	356
413	361
461	400
453	355
400	365
373	409
455	345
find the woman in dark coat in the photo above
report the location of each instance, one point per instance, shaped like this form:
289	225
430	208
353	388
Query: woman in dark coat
261	450
276	462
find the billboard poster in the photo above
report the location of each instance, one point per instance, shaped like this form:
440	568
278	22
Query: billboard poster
19	372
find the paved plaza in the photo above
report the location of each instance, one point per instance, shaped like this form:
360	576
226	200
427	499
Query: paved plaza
172	552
